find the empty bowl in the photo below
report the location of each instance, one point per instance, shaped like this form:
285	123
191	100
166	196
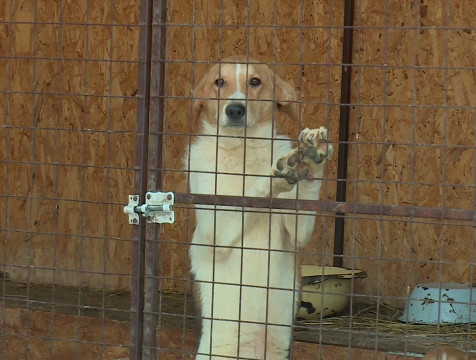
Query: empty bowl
325	290
436	303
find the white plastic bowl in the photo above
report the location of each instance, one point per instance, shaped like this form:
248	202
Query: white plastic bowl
456	303
325	290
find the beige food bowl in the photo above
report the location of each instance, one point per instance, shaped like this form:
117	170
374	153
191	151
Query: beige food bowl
325	290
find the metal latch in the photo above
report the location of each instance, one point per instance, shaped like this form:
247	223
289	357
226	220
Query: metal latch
157	208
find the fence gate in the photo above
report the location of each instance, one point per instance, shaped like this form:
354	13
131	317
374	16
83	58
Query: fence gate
392	81
348	60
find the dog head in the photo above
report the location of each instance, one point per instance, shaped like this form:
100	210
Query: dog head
239	94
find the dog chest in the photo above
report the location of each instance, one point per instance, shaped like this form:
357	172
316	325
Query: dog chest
228	171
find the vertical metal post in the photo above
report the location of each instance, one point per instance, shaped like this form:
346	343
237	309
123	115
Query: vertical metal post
140	178
156	141
344	129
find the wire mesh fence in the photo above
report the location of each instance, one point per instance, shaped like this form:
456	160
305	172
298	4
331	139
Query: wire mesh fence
68	96
100	100
404	207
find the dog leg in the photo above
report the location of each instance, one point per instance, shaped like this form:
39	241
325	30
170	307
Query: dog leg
225	228
299	163
306	162
314	149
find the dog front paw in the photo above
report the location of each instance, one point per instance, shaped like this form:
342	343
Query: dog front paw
315	144
291	167
300	163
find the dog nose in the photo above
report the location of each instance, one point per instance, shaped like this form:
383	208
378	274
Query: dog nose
235	111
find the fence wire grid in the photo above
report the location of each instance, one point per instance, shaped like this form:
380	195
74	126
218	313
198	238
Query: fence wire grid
103	99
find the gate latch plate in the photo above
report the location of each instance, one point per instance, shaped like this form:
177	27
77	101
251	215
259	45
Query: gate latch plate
157	208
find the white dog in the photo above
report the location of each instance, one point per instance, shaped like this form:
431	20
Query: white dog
244	263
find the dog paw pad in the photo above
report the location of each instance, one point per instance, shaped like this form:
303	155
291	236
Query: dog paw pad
313	154
291	167
315	144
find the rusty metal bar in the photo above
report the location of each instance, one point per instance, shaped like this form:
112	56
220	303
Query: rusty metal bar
140	178
330	206
345	91
156	141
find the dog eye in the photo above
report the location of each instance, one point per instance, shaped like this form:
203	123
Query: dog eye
255	82
219	82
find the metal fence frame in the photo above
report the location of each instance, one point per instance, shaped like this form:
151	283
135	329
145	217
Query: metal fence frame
148	168
343	209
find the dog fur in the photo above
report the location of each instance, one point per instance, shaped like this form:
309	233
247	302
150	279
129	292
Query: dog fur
244	263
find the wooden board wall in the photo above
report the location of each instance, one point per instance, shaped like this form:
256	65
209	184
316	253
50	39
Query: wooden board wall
381	135
413	252
82	147
409	252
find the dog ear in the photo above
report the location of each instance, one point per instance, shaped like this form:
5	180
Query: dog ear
286	98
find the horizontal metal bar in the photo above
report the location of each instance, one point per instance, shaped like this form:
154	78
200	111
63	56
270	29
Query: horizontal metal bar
67	235
268	63
29	335
329	206
58	58
66	270
218	136
21	300
182	97
235	26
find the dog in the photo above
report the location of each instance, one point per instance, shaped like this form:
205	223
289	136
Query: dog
244	262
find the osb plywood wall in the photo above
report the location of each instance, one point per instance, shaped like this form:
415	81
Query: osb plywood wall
396	253
382	136
445	154
62	173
